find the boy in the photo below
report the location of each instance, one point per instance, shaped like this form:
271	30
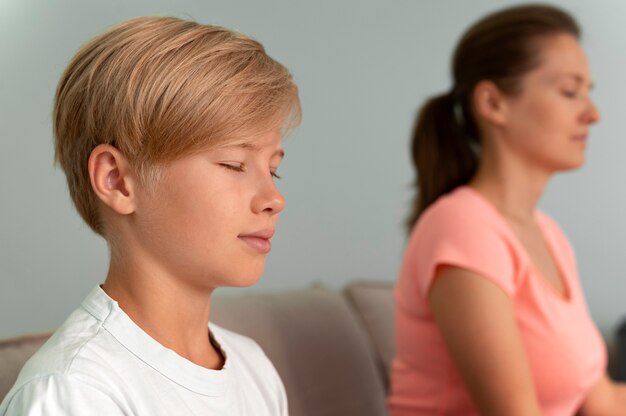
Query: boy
169	133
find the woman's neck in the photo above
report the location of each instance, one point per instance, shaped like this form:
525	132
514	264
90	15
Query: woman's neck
512	185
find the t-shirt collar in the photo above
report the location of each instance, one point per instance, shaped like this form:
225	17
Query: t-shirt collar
163	360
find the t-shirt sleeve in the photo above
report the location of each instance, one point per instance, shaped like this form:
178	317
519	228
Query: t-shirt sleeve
59	395
453	237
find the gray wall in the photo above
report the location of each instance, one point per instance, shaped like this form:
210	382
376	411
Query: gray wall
363	68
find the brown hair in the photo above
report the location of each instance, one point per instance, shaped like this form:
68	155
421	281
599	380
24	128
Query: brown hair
502	47
159	88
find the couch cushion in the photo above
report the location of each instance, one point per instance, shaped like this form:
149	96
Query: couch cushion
373	303
14	352
317	345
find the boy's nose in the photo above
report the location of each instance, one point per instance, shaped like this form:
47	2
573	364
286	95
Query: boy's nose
270	200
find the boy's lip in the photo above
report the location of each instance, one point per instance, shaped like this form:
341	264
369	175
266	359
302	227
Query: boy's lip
265	234
258	241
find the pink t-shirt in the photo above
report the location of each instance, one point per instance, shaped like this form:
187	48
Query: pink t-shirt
564	349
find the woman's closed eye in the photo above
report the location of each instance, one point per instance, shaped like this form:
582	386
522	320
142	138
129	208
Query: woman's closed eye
569	93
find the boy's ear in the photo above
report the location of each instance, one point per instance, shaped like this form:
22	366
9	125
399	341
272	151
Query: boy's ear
112	179
489	103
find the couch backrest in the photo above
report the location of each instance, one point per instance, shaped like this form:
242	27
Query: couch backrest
373	304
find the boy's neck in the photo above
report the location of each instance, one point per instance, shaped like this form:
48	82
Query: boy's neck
173	314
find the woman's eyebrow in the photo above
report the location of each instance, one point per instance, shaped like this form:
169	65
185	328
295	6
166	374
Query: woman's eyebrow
577	77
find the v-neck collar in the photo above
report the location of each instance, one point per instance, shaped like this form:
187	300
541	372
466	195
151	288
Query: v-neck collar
566	296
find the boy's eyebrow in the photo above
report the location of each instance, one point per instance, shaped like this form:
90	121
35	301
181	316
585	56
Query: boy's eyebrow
253	147
248	146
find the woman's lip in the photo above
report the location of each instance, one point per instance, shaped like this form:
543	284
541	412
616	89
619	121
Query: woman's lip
260	244
580	137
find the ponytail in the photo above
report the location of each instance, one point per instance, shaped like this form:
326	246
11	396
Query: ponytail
444	151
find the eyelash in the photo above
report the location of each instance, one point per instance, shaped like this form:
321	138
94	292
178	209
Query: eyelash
569	94
241	168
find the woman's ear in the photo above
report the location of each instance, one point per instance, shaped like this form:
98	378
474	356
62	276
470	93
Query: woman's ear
489	103
112	179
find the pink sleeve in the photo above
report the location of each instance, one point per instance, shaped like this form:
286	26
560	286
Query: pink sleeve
472	242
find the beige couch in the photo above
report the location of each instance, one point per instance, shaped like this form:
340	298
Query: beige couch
332	349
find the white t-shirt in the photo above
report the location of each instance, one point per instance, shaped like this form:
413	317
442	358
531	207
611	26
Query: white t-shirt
99	362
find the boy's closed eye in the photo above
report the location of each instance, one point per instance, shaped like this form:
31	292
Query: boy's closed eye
235	166
241	167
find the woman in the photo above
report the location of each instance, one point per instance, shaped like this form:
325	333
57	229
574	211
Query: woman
490	317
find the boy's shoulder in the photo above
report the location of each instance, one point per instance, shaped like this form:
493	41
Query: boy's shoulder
79	340
71	363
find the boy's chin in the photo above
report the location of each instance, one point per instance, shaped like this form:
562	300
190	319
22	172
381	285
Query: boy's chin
246	283
241	281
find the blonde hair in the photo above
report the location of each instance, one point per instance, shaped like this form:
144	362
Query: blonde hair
160	88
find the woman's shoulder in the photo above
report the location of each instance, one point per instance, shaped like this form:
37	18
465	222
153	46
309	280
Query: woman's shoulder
461	218
462	229
462	207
